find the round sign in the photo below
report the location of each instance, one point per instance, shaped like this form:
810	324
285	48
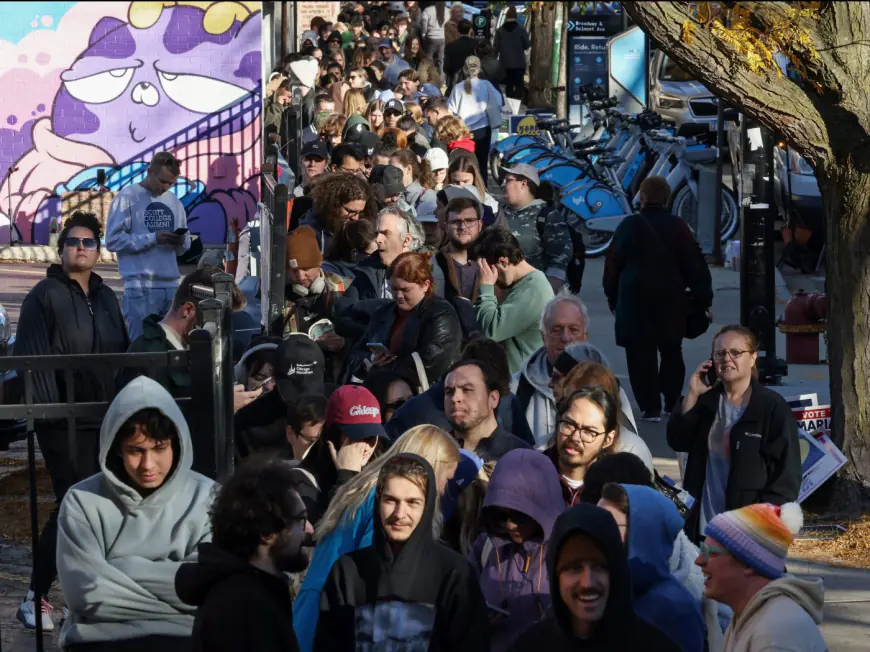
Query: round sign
480	20
528	126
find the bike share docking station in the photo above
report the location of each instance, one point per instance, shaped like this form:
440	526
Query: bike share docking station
754	176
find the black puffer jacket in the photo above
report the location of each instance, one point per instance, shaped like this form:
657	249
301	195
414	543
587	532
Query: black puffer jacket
57	318
433	331
764	451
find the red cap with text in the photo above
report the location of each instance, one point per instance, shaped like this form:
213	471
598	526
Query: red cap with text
357	411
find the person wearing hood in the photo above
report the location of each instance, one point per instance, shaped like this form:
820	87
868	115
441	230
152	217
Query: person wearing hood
406	588
649	523
238	583
354	128
544	235
587	373
564	320
299	370
124	532
69	312
743	561
511	44
348	523
522	502
590	592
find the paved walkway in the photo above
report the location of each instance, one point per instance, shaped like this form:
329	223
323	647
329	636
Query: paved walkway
847	590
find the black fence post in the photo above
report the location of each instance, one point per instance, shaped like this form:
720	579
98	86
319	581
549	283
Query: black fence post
205	418
277	260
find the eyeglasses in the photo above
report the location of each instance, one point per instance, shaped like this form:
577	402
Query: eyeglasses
569	430
395	405
734	354
88	243
707	550
463	225
351	213
511	180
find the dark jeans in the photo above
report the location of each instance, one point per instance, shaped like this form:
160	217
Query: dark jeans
514	83
65	470
143	644
481	150
649	379
435	51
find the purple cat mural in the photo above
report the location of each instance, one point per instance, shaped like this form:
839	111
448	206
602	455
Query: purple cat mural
177	84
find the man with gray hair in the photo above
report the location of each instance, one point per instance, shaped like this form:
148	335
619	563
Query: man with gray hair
564	320
398	232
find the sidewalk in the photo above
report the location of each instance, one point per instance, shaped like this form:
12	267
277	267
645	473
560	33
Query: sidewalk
847	590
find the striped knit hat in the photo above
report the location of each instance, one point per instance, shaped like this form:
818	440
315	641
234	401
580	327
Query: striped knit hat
758	535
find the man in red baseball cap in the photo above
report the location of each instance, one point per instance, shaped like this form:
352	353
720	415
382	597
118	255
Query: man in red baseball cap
351	433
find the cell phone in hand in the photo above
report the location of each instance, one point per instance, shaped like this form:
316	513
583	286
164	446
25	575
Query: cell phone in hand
710	376
260	384
182	231
377	347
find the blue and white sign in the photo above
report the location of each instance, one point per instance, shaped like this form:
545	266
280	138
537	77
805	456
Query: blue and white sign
628	69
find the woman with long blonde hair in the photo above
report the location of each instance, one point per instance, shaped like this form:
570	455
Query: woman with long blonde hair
375	115
354	102
348	523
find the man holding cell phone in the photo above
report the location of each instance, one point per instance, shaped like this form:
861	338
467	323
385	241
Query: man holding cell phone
147	229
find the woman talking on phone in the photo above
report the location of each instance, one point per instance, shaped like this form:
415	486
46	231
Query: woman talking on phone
741	437
416	333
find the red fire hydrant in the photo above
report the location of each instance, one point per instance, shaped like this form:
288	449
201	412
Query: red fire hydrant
804	319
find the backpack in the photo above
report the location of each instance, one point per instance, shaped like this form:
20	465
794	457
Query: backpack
575	269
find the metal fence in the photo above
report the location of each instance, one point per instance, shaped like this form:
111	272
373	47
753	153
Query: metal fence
273	237
209	409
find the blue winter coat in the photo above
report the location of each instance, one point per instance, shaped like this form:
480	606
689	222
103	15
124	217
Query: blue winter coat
659	598
352	533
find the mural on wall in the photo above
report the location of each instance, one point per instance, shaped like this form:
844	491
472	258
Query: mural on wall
90	86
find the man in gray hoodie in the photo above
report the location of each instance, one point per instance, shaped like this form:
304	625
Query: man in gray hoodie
124	532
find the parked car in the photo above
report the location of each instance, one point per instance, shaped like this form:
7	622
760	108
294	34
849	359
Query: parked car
796	191
678	97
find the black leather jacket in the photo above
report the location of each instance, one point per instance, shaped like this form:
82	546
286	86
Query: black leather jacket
432	330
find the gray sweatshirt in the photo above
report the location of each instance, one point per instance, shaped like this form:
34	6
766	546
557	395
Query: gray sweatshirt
430	27
117	551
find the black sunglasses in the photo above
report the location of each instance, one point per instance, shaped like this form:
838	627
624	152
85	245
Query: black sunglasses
74	242
395	405
500	517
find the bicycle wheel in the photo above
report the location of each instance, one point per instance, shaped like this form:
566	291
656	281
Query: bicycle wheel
596	242
495	171
685	206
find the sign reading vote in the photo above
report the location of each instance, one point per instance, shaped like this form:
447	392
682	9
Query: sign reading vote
159	217
524	125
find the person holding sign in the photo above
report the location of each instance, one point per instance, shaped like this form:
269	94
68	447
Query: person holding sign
741	437
147	229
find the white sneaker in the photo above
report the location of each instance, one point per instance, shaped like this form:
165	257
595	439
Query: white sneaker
27	615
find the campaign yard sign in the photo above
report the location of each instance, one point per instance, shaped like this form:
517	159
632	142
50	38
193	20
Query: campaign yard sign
820	457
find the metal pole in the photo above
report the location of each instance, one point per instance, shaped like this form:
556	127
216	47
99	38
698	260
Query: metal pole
720	164
277	261
34	508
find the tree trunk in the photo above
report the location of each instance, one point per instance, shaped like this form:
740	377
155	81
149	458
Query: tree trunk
826	119
846	195
541	34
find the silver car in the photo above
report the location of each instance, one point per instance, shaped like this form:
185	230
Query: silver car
678	97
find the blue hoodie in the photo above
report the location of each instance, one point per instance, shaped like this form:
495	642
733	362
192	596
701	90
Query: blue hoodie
659	598
352	533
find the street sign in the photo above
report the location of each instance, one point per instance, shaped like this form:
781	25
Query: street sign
480	23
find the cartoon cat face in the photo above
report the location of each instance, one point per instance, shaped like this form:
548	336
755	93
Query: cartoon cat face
135	89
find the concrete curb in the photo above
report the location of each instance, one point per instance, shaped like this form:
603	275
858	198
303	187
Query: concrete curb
42	254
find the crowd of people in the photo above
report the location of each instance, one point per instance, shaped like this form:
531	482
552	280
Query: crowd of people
430	453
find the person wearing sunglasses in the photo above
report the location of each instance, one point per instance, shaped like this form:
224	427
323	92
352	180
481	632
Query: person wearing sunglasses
741	438
69	312
391	389
305	419
743	560
649	523
522	503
